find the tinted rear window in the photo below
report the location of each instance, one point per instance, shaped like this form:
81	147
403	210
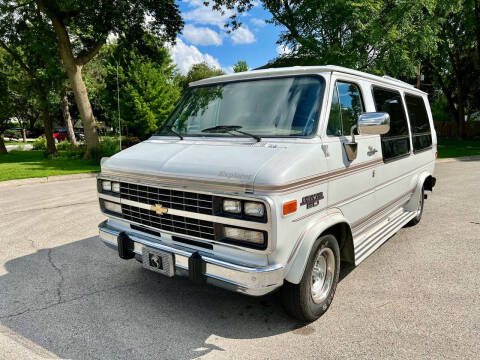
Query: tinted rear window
417	113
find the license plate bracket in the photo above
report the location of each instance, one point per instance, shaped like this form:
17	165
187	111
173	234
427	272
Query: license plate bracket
158	261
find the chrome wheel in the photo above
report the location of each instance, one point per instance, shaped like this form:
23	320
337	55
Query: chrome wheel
420	204
323	273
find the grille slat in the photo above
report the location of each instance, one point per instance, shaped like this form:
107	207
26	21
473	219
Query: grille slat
170	199
178	224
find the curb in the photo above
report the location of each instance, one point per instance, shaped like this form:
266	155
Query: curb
463	158
48	179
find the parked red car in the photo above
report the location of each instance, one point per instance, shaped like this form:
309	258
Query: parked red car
60	135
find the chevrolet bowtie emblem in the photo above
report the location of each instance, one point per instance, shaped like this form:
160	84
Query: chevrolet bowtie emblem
159	209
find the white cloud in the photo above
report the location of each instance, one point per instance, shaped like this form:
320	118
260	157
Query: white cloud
283	50
243	36
201	35
259	23
202	14
187	55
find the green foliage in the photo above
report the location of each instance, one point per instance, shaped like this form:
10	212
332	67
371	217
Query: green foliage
240	66
12	134
198	72
108	147
40	144
455	64
148	89
66	145
440	110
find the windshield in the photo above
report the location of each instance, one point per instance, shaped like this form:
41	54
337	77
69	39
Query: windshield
287	106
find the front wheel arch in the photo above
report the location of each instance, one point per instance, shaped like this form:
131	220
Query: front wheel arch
334	224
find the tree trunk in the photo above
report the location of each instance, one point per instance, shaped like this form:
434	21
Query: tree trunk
83	105
460	107
47	122
24	135
3	149
68	118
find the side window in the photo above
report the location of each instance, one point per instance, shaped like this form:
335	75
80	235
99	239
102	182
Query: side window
334	126
347	105
396	142
417	113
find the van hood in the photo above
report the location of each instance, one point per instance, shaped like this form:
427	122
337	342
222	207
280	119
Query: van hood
202	161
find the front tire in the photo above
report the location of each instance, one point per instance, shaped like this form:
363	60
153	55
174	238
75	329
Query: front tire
421	202
311	298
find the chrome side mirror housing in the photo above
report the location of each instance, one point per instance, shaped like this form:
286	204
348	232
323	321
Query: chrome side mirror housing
373	123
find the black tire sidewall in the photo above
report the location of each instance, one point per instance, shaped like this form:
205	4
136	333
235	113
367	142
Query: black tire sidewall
313	309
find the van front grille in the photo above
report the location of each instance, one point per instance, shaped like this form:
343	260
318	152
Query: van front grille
170	199
172	223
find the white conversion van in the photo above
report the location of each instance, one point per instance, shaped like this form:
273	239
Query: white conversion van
267	180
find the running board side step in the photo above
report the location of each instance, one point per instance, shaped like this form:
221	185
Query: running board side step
381	233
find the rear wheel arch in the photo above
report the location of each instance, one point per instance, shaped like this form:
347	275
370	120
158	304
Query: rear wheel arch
429	183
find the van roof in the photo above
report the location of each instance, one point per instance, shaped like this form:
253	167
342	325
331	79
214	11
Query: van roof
295	70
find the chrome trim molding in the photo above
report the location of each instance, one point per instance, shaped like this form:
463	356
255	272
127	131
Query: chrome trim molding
171	182
254	281
316	179
184	182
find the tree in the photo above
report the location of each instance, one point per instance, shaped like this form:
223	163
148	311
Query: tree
32	58
67	117
198	72
82	27
455	65
5	106
147	83
240	66
376	35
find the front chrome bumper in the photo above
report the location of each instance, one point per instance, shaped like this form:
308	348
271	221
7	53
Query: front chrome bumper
255	281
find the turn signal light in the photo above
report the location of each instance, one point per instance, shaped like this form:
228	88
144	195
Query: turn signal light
289	207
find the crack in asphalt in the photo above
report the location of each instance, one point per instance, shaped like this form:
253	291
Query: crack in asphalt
59	272
10	316
49	208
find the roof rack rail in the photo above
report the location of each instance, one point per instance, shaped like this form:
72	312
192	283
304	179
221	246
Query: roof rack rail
400	81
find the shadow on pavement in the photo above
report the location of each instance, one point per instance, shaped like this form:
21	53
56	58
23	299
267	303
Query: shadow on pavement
81	301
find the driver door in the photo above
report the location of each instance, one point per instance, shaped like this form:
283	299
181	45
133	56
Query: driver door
351	185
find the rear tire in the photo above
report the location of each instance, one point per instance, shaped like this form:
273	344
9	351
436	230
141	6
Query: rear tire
311	298
421	203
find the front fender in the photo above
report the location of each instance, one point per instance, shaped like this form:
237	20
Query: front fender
298	259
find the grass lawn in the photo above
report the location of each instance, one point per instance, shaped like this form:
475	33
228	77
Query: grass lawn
448	148
29	164
15	143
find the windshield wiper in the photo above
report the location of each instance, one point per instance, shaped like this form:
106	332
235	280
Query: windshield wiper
228	128
170	129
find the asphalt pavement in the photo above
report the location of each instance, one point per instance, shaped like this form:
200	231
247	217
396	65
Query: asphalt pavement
64	294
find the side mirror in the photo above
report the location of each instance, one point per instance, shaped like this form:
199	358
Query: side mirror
373	123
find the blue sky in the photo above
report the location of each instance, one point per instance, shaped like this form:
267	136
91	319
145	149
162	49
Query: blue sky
204	38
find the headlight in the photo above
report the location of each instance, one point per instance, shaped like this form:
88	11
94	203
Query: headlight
113	207
254	209
116	187
232	206
106	185
255	237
